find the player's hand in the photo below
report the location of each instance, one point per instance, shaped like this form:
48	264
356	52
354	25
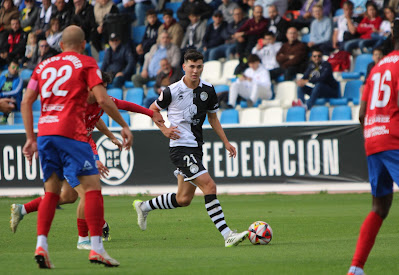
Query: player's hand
127	138
157	118
232	150
29	150
117	143
171	133
102	169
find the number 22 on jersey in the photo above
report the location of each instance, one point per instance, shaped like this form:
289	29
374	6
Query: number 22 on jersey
58	77
380	86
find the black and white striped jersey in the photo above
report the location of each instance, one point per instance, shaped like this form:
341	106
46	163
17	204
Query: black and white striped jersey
187	109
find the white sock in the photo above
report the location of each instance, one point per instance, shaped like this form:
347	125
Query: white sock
356	270
226	233
83	239
42	241
97	244
23	210
105	225
146	206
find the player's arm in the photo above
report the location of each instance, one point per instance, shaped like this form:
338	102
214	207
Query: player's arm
104	129
172	132
110	108
132	107
217	127
30	147
363	102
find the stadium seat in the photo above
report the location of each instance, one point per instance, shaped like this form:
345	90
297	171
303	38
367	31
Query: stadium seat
250	116
105	118
273	115
319	113
244	103
36	107
140	121
206	122
129	84
305	38
36	116
361	63
25	74
101	56
138	34
229	116
296	114
285	93
339	12
338	101
88	49
18	118
321	101
221	88
135	95
341	113
174	6
227	72
150	84
116	93
125	116
352	91
160	17
212	71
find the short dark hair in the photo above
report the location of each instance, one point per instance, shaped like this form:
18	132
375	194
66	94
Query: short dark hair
151	12
269	33
168	12
348	3
316	49
193	55
107	77
252	58
378	50
194	11
13	61
371	3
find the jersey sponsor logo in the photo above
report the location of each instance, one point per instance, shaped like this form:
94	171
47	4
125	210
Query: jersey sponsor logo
53	107
194	168
87	166
48	119
204	96
119	163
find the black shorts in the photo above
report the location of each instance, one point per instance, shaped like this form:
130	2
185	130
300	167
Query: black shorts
188	161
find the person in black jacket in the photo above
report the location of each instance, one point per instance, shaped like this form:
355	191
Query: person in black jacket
213	35
150	35
83	16
14	47
29	15
317	81
203	9
63	13
118	60
278	25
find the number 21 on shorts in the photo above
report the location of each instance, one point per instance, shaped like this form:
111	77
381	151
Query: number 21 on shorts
188	159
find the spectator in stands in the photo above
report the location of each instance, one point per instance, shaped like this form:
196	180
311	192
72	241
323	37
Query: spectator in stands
11	87
249	33
377	56
159	51
253	84
227	8
385	27
214	34
30	49
320	31
29	15
127	7
248	7
101	9
305	14
203	9
7	11
395	5
118	61
267	49
13	47
44	51
172	27
370	24
166	76
292	55
140	9
83	16
63	13
345	27
54	34
281	6
317	81
195	32
228	49
47	11
278	25
150	36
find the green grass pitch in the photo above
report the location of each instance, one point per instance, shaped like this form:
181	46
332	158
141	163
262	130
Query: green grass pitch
313	234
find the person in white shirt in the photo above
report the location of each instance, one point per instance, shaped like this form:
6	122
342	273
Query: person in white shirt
253	84
267	49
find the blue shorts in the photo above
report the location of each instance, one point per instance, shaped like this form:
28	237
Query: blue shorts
66	157
383	171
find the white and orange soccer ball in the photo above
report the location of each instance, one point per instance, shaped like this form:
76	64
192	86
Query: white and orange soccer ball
260	233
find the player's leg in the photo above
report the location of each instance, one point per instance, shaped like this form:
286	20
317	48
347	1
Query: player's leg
68	194
83	229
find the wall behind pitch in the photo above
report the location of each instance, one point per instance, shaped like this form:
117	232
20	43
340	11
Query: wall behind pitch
287	154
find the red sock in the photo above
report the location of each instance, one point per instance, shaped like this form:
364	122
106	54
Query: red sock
368	233
94	212
46	213
82	228
33	205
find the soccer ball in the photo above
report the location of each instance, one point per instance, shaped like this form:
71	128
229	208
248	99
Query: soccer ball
260	233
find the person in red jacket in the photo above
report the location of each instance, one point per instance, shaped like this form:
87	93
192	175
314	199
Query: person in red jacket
369	25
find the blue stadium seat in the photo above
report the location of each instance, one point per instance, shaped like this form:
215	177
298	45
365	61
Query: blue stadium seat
206	122
18	118
174	6
88	49
25	74
101	56
229	116
160	17
150	84
319	113
129	84
221	88
296	114
36	107
338	101
352	91
341	113
244	103
305	38
138	34
116	93
36	116
361	63
125	116
321	101
339	12
135	95
105	118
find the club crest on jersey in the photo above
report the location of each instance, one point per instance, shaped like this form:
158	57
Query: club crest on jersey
204	96
194	168
119	163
